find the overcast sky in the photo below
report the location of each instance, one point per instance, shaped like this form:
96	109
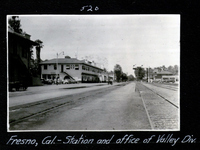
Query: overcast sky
148	40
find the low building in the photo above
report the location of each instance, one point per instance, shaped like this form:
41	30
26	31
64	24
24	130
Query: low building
158	75
170	78
72	68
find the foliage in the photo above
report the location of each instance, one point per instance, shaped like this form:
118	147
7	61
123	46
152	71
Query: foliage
118	72
131	78
124	77
15	24
40	43
172	69
140	73
104	69
34	67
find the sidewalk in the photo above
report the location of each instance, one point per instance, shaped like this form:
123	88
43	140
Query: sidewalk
47	88
38	93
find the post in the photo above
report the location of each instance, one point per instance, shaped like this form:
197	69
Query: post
57	66
57	62
148	74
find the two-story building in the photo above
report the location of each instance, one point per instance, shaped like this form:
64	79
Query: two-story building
72	68
19	55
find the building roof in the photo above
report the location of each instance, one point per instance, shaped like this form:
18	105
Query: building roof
67	61
165	72
25	37
62	61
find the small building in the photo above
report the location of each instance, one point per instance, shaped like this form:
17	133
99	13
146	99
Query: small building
158	76
173	79
71	68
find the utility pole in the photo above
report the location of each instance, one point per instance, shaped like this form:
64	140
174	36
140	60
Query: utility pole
57	63
148	74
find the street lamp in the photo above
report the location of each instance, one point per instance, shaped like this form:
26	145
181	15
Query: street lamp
57	62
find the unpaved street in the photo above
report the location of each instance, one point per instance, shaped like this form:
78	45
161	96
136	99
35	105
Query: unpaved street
117	109
123	106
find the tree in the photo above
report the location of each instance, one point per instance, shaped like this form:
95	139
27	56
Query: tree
140	73
131	78
163	68
170	69
15	24
176	69
38	59
118	71
124	77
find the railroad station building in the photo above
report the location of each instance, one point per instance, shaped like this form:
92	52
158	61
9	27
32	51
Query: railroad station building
19	55
72	68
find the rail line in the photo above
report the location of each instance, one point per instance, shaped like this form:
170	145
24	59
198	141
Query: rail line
161	96
170	87
18	114
161	112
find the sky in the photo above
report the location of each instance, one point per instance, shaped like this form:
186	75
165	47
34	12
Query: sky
127	40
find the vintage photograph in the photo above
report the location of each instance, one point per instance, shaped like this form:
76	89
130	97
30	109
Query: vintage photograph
93	73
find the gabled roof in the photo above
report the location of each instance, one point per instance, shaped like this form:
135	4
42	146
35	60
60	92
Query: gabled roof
62	61
164	72
67	61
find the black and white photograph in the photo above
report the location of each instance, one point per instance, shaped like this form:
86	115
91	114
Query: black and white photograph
93	72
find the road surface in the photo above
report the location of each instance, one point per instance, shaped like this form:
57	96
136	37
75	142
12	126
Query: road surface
100	108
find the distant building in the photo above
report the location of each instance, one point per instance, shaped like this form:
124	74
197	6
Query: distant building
19	55
111	75
170	78
158	75
72	68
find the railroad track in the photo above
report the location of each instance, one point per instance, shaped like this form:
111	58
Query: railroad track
21	113
166	86
167	100
162	113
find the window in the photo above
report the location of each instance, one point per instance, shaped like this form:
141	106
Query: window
67	67
44	76
61	68
45	67
72	66
83	67
76	67
55	67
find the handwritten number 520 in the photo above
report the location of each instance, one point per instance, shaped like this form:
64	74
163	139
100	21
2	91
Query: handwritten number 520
89	9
